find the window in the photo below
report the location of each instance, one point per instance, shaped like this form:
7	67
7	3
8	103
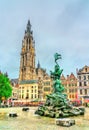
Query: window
72	96
85	91
22	96
46	89
31	95
27	90
88	76
75	89
80	83
35	95
27	96
84	77
85	84
65	90
72	90
86	69
22	91
69	85
79	77
35	90
46	83
81	91
69	90
75	84
69	96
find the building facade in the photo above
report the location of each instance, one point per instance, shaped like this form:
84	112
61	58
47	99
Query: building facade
70	84
15	89
83	82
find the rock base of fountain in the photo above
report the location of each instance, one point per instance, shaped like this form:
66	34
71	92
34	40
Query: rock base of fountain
57	106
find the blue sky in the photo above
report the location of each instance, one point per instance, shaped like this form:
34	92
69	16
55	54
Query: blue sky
58	26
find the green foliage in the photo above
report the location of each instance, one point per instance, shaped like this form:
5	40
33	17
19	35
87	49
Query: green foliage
5	87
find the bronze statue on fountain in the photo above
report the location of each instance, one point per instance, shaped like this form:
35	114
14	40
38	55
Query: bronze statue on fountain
57	105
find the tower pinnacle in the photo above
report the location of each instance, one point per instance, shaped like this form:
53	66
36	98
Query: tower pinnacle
28	26
28	30
38	65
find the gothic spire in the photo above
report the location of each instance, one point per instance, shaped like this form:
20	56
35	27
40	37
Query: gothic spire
28	26
38	65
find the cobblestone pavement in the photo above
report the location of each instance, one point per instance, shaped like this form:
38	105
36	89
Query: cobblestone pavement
29	121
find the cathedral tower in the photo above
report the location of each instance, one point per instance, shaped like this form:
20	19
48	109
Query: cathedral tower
31	79
27	62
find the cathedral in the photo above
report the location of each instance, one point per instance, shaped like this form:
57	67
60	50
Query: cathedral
34	82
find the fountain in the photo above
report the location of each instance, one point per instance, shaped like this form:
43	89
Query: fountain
57	105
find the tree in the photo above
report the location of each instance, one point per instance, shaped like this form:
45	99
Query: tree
5	87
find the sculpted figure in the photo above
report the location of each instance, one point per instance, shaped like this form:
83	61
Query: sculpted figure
56	75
